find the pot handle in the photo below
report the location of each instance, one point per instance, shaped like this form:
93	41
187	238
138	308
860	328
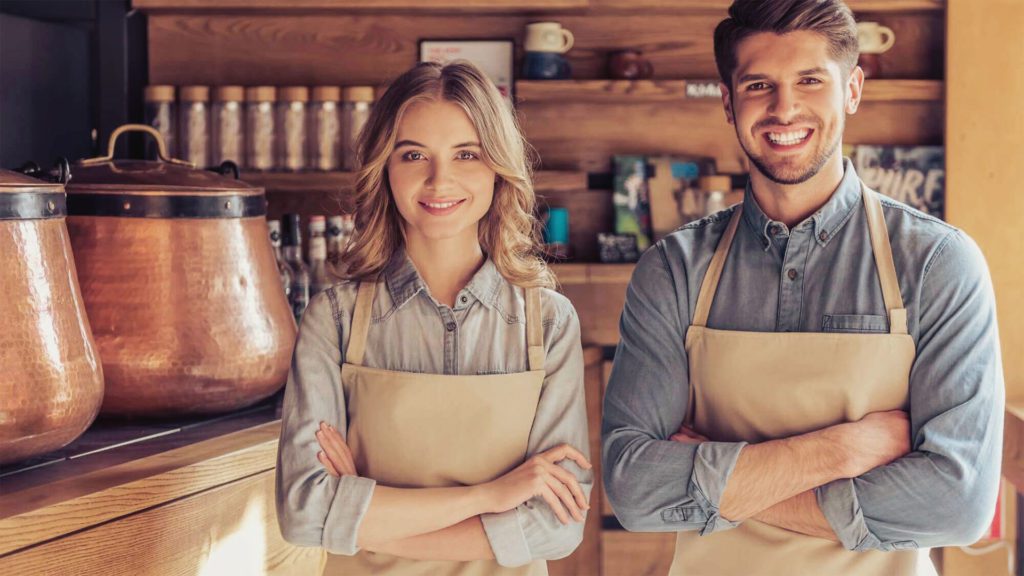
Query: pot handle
161	147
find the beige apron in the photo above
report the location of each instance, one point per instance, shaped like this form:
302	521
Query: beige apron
410	430
758	386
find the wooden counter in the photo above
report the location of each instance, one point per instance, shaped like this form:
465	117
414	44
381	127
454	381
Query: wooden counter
190	497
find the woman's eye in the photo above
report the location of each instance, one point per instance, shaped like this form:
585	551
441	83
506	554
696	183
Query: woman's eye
412	156
467	155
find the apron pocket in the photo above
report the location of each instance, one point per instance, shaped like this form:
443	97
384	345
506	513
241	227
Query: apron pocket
854	323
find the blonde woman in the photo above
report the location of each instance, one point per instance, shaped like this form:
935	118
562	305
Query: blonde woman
434	420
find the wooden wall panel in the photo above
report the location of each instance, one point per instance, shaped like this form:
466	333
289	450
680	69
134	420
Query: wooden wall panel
368	48
983	152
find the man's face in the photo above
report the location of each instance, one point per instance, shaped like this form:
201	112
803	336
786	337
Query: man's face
789	102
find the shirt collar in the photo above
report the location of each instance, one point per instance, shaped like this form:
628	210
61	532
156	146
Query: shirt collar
404	281
827	221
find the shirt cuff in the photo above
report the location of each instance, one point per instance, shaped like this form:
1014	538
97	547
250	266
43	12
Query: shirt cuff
348	508
838	502
712	465
508	542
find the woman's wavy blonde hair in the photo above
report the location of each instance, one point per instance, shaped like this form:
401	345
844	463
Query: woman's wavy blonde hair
509	233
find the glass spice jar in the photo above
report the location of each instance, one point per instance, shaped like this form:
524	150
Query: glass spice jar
324	131
194	125
259	123
291	124
228	125
161	114
355	110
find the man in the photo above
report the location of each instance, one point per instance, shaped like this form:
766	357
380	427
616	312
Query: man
808	382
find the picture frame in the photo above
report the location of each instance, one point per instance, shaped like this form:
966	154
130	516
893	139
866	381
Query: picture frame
495	57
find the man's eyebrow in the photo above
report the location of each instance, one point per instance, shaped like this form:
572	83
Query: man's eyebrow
812	71
750	77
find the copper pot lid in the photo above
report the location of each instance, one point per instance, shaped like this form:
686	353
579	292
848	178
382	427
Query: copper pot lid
26	198
165	188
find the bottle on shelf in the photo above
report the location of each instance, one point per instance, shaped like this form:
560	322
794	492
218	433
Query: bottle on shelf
259	127
194	125
292	241
161	113
283	269
318	277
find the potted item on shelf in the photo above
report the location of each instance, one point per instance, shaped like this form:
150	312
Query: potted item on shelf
180	283
545	44
629	65
51	381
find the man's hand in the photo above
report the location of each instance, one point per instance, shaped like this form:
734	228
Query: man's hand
875	440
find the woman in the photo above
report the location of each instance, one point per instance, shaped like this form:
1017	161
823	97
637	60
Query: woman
453	439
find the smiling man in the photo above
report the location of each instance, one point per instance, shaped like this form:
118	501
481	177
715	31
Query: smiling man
808	382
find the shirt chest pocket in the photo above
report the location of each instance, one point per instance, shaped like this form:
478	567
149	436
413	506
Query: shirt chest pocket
857	323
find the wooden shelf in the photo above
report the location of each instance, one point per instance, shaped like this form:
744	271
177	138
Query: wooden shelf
575	274
648	91
496	5
251	6
342	182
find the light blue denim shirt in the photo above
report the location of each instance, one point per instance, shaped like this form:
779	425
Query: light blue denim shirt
485	333
942	493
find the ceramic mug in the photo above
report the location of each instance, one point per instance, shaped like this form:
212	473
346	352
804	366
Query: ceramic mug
873	38
548	37
545	66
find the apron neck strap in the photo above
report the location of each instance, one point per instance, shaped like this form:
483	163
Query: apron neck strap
360	323
882	249
709	285
534	329
880	246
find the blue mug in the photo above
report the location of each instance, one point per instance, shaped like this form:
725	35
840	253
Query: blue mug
545	66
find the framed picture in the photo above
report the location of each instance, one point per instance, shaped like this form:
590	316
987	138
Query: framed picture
494	57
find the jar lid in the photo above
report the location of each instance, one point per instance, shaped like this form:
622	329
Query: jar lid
293	94
326	93
194	93
357	93
261	93
229	93
167	176
159	93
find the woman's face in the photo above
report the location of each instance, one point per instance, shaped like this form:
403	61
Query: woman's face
439	180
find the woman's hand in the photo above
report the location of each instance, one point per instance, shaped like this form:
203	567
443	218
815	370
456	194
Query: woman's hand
688	436
541	476
334	454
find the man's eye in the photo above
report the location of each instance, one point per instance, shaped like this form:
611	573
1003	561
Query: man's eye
757	86
811	81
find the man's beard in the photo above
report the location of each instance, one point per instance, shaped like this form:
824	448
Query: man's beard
815	166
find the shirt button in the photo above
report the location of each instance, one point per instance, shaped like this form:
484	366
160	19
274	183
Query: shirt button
463	299
823	235
791	273
450	326
774	229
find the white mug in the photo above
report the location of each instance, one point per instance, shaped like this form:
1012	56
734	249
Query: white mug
548	37
873	38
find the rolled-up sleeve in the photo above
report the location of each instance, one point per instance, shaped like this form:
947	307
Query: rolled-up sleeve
314	508
531	531
943	493
655	484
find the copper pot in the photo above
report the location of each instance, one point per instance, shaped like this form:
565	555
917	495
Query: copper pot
51	383
180	284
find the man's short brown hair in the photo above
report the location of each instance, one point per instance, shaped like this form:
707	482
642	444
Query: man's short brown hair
830	18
